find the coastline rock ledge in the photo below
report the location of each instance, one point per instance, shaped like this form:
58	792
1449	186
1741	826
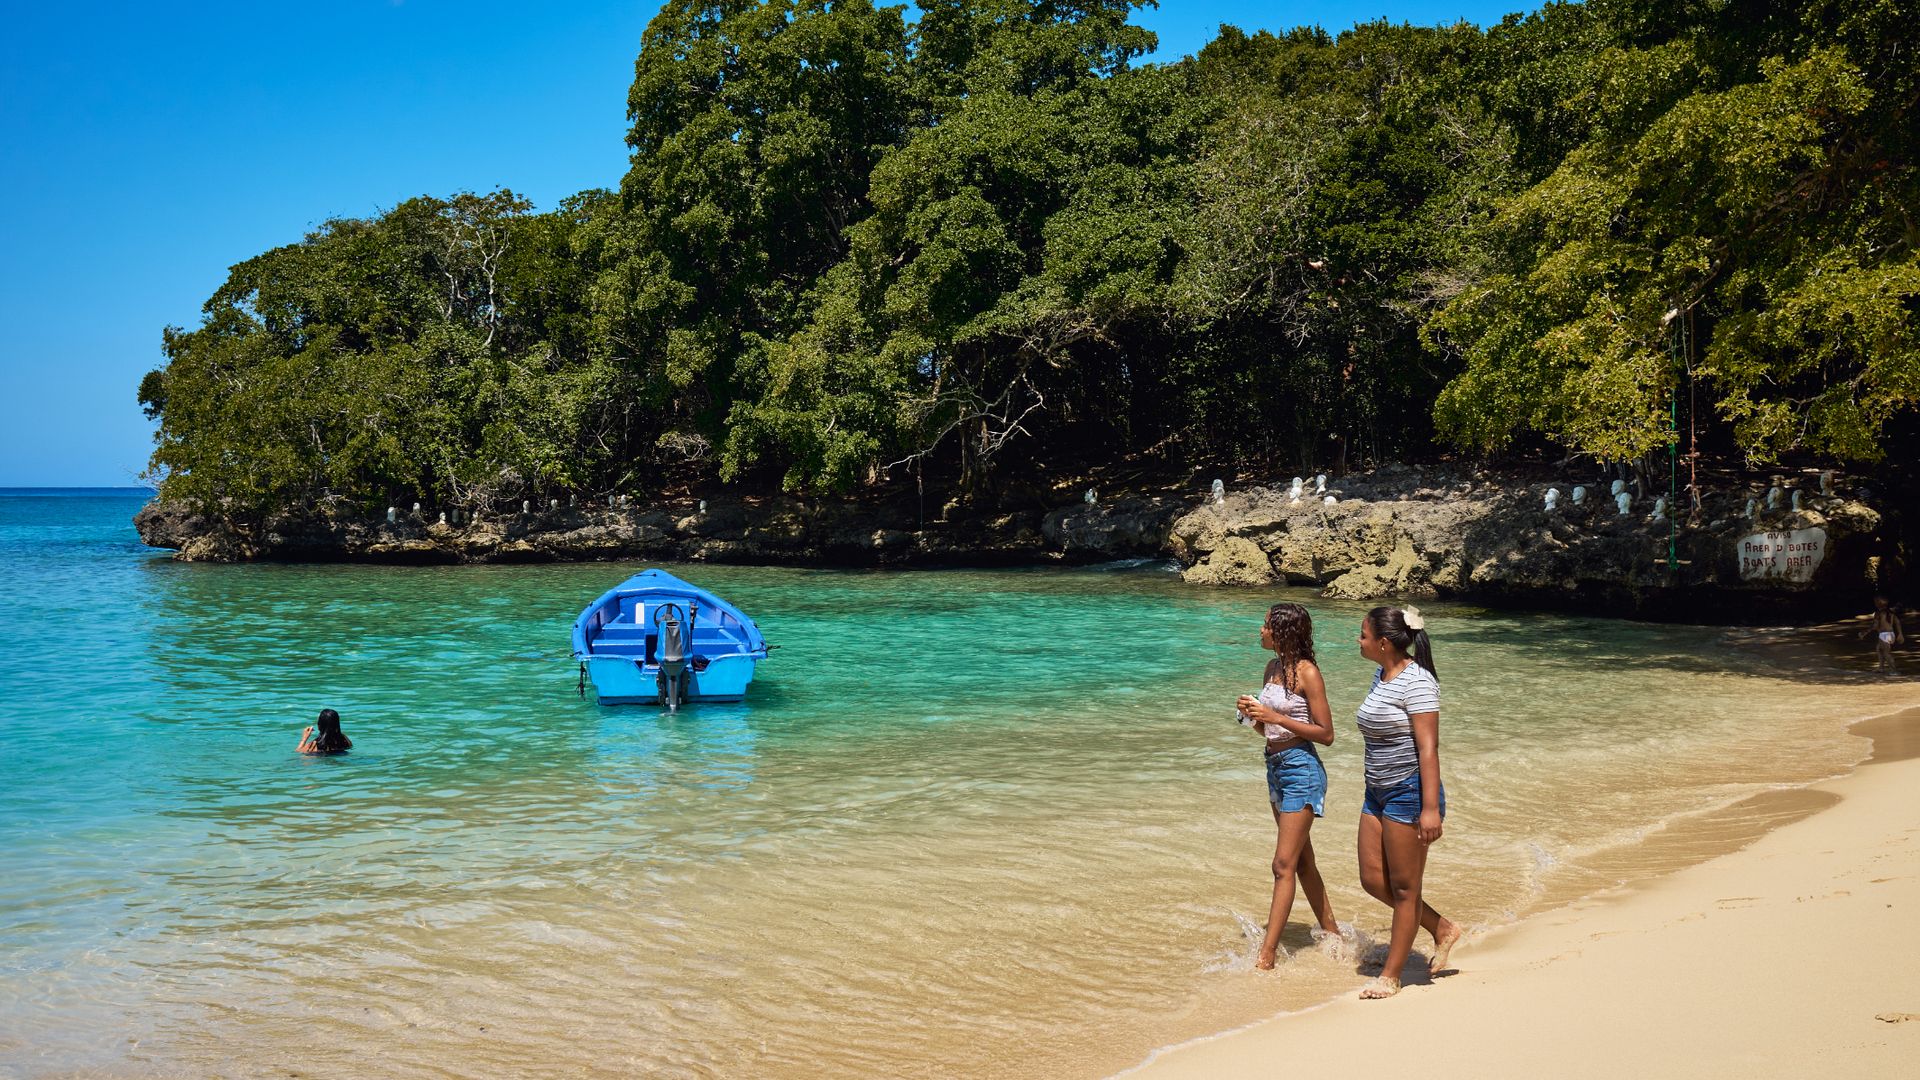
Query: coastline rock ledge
1404	532
720	528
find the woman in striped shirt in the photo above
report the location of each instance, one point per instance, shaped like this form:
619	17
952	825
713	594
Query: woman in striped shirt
1405	803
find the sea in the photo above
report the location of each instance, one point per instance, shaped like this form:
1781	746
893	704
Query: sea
967	823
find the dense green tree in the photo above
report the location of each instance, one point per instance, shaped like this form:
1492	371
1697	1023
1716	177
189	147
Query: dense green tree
849	246
1737	216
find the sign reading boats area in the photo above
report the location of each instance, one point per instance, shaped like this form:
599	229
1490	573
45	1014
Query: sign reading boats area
1790	556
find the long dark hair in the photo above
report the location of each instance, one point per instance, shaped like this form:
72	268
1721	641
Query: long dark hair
1391	623
327	736
1292	630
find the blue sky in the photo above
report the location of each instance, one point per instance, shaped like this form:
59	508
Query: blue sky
145	148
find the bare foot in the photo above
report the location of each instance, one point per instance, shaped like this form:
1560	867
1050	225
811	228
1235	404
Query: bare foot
1443	944
1380	987
1265	960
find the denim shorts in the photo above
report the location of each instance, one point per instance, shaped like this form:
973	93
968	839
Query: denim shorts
1296	780
1400	802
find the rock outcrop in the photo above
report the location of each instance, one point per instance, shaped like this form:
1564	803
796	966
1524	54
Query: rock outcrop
1398	532
721	528
1401	532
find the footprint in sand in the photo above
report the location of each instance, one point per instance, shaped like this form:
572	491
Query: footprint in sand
1896	1018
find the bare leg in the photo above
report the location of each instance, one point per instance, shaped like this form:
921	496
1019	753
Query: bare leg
1373	878
1406	866
1290	840
1392	863
1315	889
1373	859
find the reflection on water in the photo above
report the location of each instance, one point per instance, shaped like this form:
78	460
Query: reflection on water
967	822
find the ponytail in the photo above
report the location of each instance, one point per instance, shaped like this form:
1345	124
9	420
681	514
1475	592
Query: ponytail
1407	630
1422	652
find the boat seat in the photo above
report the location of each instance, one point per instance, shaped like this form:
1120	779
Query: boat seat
619	648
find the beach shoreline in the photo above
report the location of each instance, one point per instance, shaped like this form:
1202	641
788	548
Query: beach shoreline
1760	961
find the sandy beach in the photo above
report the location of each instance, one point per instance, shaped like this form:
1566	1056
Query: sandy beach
1792	954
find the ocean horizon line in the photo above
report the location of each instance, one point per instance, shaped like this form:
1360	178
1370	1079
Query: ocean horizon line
20	490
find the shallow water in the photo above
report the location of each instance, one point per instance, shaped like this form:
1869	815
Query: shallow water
990	823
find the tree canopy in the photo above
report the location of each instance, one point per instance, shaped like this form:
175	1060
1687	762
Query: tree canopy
850	246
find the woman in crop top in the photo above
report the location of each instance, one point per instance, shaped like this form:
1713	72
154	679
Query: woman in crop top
1291	713
1405	802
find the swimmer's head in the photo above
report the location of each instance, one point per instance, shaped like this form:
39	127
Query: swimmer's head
327	735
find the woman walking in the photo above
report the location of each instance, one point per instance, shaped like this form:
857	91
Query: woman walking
1291	712
1405	801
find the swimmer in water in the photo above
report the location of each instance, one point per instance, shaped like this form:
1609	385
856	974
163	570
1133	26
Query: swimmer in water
326	738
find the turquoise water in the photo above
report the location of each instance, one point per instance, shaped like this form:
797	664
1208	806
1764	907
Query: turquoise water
967	822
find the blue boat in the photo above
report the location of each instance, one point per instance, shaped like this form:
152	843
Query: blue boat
656	640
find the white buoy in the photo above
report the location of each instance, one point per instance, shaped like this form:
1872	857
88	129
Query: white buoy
1618	487
1624	501
1553	498
393	515
1826	482
1579	495
1091	497
703	506
1320	484
416	509
1773	498
1298	489
573	500
1753	507
1796	500
553	504
1660	507
443	517
1219	491
1328	501
526	506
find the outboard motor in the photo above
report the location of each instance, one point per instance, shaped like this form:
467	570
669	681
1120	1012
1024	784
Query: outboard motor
673	677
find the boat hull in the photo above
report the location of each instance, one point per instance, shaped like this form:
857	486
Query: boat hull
620	680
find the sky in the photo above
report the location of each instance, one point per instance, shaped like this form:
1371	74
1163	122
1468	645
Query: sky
145	148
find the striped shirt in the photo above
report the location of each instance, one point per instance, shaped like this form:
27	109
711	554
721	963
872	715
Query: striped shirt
1386	720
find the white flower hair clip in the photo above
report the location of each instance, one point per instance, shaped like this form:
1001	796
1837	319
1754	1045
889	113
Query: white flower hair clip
1412	617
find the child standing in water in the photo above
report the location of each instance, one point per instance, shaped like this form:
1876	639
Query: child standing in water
1887	632
1291	713
328	739
1405	803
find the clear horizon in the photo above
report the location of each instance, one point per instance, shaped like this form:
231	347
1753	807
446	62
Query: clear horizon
154	150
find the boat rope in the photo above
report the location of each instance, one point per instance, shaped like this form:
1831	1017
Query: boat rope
582	688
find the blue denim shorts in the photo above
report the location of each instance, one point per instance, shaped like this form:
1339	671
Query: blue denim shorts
1296	780
1400	802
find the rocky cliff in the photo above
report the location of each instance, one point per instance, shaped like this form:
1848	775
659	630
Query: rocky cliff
1410	533
1398	532
775	529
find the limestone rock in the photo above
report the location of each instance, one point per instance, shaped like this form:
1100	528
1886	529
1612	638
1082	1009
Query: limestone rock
1403	574
1236	561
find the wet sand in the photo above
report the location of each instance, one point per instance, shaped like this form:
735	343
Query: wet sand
1791	954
